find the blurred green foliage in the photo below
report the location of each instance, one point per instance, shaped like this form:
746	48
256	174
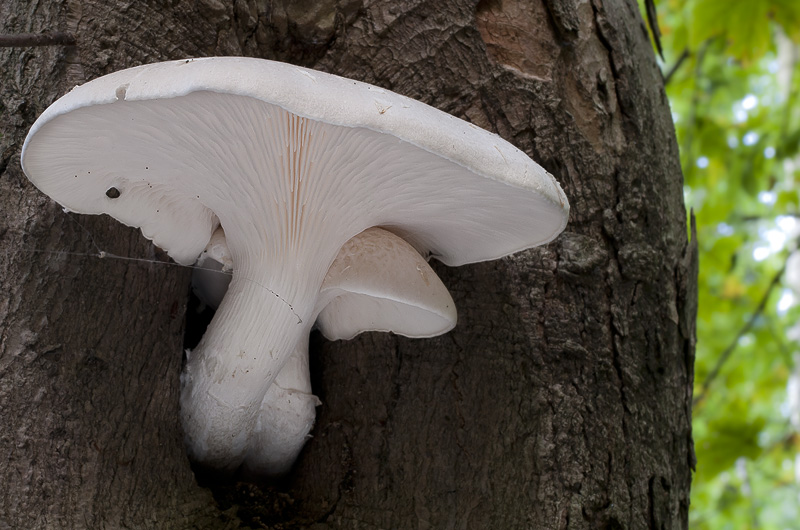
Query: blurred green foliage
731	71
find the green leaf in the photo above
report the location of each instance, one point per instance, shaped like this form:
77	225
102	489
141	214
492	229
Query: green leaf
742	24
730	437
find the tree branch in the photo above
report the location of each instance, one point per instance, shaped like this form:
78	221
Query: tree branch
50	38
652	21
750	218
678	63
742	332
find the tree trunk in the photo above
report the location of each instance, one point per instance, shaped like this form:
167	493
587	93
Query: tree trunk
561	400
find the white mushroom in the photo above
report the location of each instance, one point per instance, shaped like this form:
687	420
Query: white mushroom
292	163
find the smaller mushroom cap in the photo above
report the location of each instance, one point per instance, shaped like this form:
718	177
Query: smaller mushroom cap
380	283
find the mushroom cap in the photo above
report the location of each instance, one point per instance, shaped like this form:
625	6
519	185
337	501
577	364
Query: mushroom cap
168	137
378	282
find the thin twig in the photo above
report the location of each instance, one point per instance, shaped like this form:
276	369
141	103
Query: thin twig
678	63
768	217
742	332
652	21
50	38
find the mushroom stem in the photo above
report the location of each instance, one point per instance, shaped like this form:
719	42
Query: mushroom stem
254	332
376	282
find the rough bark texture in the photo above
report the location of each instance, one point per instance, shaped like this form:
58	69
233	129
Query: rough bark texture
562	399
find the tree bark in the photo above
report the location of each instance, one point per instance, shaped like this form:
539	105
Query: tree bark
561	400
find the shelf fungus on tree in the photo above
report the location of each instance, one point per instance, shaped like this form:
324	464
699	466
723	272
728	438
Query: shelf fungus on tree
331	193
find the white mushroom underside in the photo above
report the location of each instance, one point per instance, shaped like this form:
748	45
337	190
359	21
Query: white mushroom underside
289	192
175	161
